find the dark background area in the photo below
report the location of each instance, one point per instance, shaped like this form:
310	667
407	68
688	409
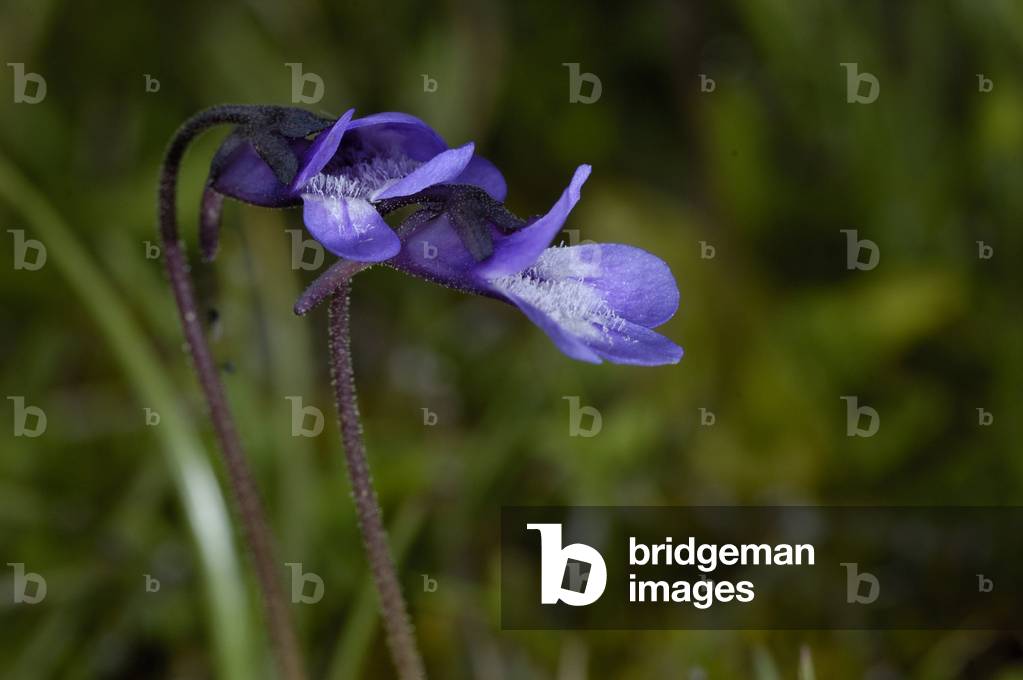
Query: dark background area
768	168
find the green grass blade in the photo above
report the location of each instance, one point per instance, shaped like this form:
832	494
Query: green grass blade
236	649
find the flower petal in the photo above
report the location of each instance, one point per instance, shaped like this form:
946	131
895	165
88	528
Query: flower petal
435	252
578	298
246	177
517	251
322	150
594	301
636	285
620	341
350	228
636	345
482	173
562	337
392	131
442	168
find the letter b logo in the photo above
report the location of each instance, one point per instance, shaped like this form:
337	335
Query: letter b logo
855	246
22	246
22	411
853	78
576	412
298	83
853	580
556	561
298	580
21	80
22	579
576	79
854	413
299	246
298	418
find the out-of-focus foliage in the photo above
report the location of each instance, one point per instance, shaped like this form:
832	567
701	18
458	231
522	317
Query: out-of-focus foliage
768	168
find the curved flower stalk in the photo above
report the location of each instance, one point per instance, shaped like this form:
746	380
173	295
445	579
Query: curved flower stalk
255	528
597	302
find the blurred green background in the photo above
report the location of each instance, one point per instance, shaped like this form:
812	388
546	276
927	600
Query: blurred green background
767	168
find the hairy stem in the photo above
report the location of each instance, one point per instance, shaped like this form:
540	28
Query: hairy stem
327	283
246	497
400	638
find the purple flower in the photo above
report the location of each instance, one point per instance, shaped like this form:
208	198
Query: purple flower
596	302
344	170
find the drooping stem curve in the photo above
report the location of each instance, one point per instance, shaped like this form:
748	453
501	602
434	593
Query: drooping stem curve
398	626
245	494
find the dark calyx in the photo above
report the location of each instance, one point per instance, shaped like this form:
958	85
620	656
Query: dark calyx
270	130
470	209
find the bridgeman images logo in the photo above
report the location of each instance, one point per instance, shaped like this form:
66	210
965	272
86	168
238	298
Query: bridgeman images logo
575	574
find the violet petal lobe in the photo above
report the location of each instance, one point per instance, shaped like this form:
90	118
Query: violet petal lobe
442	168
483	174
517	251
246	177
435	252
578	300
350	228
569	343
322	150
637	285
389	132
636	345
